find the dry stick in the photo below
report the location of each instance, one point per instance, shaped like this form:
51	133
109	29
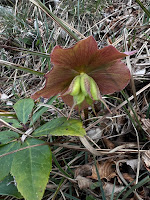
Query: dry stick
118	107
5	113
118	149
84	140
66	177
46	143
122	178
53	107
11	127
100	21
130	67
129	145
89	147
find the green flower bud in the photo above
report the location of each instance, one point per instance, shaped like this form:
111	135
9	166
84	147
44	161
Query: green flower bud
94	90
74	87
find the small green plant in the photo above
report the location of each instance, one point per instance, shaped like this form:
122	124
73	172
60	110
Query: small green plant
80	73
26	157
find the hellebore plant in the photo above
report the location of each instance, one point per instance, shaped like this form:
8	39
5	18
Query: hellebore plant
82	73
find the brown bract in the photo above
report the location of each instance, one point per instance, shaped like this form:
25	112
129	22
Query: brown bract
103	65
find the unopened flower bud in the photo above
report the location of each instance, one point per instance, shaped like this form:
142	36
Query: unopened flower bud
85	84
74	87
94	90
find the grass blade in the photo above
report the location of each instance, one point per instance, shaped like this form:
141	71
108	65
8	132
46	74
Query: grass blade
100	182
54	18
45	55
141	183
143	7
58	188
59	167
112	195
19	67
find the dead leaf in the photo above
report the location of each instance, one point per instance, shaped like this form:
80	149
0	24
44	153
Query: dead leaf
106	170
108	143
132	163
146	125
83	182
127	177
146	159
84	171
108	189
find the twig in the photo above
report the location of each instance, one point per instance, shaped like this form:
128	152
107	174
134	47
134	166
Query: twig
138	145
11	127
118	107
122	178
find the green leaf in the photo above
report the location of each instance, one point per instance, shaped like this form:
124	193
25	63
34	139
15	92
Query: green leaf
7	136
40	112
7	187
23	109
31	168
6	161
61	126
12	122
